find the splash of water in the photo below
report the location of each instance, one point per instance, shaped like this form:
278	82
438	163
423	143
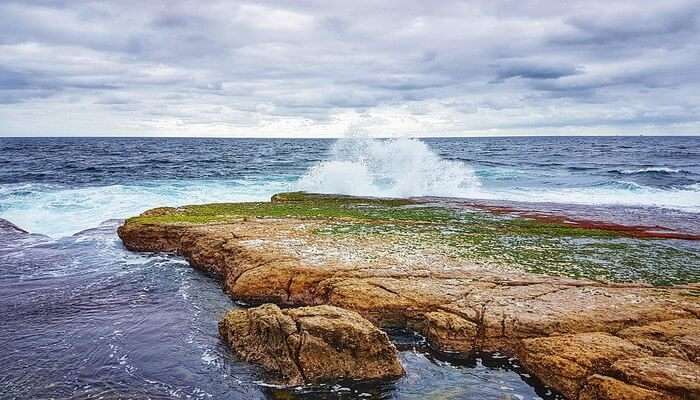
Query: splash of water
389	168
409	167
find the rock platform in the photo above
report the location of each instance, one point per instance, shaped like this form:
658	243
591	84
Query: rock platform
393	263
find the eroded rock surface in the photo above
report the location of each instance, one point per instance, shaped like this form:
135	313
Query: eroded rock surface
579	336
311	344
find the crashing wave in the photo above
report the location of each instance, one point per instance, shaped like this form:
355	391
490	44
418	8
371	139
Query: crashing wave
389	168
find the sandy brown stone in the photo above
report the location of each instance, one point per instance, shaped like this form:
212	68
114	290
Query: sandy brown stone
449	332
459	306
599	387
566	361
675	338
311	344
664	373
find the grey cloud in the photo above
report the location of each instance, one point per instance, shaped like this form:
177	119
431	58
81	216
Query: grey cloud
476	65
535	71
12	80
639	24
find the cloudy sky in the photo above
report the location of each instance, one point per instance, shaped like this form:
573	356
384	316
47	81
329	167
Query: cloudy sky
327	68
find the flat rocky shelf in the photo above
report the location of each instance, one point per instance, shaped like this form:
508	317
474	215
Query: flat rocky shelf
565	300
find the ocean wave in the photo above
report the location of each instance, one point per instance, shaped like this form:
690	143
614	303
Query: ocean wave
648	170
684	199
383	168
408	167
389	168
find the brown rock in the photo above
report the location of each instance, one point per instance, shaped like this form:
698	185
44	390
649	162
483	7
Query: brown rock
600	387
675	338
450	332
150	237
311	344
664	373
565	362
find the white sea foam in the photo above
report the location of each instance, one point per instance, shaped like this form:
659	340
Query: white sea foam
663	170
390	168
57	211
686	199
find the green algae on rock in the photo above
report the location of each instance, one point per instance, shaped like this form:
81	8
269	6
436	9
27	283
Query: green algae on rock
551	248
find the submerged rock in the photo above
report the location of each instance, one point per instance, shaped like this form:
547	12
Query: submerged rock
577	335
311	344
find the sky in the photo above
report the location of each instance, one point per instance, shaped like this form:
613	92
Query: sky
336	68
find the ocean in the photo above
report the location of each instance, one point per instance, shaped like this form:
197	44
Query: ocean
84	318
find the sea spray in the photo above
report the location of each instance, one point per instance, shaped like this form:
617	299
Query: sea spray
389	168
410	167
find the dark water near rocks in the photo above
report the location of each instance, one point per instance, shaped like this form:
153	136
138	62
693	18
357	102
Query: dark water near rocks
84	318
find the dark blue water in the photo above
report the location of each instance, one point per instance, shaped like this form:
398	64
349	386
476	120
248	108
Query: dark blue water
654	162
84	318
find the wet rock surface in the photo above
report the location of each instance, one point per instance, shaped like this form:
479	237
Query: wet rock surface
311	344
586	338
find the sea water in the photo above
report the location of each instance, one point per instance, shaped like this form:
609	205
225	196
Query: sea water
60	186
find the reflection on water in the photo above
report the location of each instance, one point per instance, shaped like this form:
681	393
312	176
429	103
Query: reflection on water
84	318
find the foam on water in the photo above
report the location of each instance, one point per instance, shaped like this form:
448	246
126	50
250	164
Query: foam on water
686	199
366	167
662	170
58	211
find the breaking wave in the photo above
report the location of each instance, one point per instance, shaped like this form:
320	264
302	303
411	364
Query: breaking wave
389	168
363	167
409	167
619	194
60	211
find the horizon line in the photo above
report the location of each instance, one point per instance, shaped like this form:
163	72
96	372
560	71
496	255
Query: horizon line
339	137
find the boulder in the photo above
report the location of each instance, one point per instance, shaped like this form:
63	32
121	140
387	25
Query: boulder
600	387
310	344
669	374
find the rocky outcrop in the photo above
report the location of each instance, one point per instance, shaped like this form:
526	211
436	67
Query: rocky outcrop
11	234
603	365
581	337
311	344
